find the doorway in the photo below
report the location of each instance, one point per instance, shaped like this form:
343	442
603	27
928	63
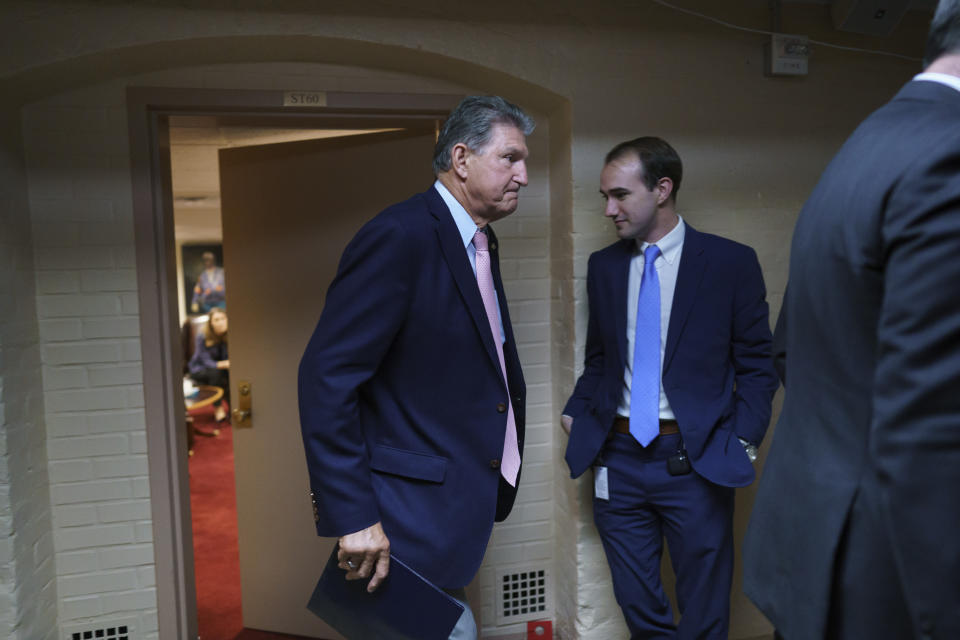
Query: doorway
199	205
155	135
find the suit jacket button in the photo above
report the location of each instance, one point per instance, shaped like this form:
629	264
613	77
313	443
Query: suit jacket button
494	464
501	407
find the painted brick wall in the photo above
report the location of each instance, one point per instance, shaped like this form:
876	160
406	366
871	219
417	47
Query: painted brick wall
525	540
28	595
86	296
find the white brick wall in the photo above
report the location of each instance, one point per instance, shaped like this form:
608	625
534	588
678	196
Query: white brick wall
526	537
28	598
89	337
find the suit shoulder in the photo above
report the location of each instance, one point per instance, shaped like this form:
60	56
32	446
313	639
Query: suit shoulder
405	212
407	219
397	226
611	251
920	120
726	246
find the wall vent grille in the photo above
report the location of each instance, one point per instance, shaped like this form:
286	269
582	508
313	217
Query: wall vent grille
523	594
113	630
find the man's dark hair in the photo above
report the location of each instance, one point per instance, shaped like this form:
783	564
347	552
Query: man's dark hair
657	157
944	36
472	122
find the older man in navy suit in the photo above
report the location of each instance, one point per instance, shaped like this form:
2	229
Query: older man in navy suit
411	393
855	532
674	398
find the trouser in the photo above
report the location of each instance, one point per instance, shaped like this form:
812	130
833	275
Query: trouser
646	505
214	377
466	628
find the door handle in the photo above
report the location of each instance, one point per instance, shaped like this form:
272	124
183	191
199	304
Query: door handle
244	412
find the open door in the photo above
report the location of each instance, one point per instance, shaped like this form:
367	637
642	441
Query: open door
288	212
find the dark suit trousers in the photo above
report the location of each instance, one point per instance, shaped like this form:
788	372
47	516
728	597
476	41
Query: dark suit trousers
695	516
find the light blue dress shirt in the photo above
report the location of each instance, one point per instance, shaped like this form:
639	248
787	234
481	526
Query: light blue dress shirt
667	265
467	228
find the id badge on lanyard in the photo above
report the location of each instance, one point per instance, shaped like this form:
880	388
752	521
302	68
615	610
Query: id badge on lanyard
601	489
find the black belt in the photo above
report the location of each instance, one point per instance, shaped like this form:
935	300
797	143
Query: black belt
667	427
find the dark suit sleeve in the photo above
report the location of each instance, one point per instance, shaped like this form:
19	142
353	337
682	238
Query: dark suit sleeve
594	356
750	352
916	399
364	308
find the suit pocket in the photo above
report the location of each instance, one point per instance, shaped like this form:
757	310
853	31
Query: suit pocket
409	464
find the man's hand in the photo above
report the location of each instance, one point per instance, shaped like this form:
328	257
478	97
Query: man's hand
364	552
567	423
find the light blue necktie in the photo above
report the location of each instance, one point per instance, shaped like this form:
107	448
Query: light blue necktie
645	387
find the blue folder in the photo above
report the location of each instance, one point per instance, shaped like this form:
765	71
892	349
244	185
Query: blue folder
406	606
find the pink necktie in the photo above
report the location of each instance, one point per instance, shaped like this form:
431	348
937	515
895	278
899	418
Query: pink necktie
510	465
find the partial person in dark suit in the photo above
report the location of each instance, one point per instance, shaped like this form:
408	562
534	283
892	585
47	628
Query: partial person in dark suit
411	393
855	532
676	390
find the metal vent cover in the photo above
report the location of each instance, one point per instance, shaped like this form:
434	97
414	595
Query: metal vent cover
523	594
111	630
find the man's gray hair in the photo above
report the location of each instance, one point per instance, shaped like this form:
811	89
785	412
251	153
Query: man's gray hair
472	122
944	36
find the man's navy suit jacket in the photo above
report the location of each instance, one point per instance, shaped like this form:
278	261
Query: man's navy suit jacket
402	402
717	370
871	415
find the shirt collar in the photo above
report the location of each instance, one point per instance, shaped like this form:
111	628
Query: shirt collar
670	244
465	224
942	78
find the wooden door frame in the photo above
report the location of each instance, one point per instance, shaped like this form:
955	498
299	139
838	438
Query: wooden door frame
148	111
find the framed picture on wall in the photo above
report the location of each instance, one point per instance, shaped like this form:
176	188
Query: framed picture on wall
204	284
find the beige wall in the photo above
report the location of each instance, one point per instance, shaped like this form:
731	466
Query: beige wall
752	146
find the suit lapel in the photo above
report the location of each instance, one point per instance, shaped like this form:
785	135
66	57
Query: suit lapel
451	245
693	263
619	280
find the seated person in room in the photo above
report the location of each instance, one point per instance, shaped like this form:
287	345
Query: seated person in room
210	290
210	364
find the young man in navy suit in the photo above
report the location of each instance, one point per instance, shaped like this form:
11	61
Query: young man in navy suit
411	393
674	398
855	532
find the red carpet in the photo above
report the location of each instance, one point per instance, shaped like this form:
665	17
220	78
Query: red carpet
215	552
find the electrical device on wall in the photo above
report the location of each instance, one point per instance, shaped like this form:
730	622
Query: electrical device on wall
540	630
870	17
786	55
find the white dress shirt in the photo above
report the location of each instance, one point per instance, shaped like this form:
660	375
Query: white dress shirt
467	228
667	265
942	78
